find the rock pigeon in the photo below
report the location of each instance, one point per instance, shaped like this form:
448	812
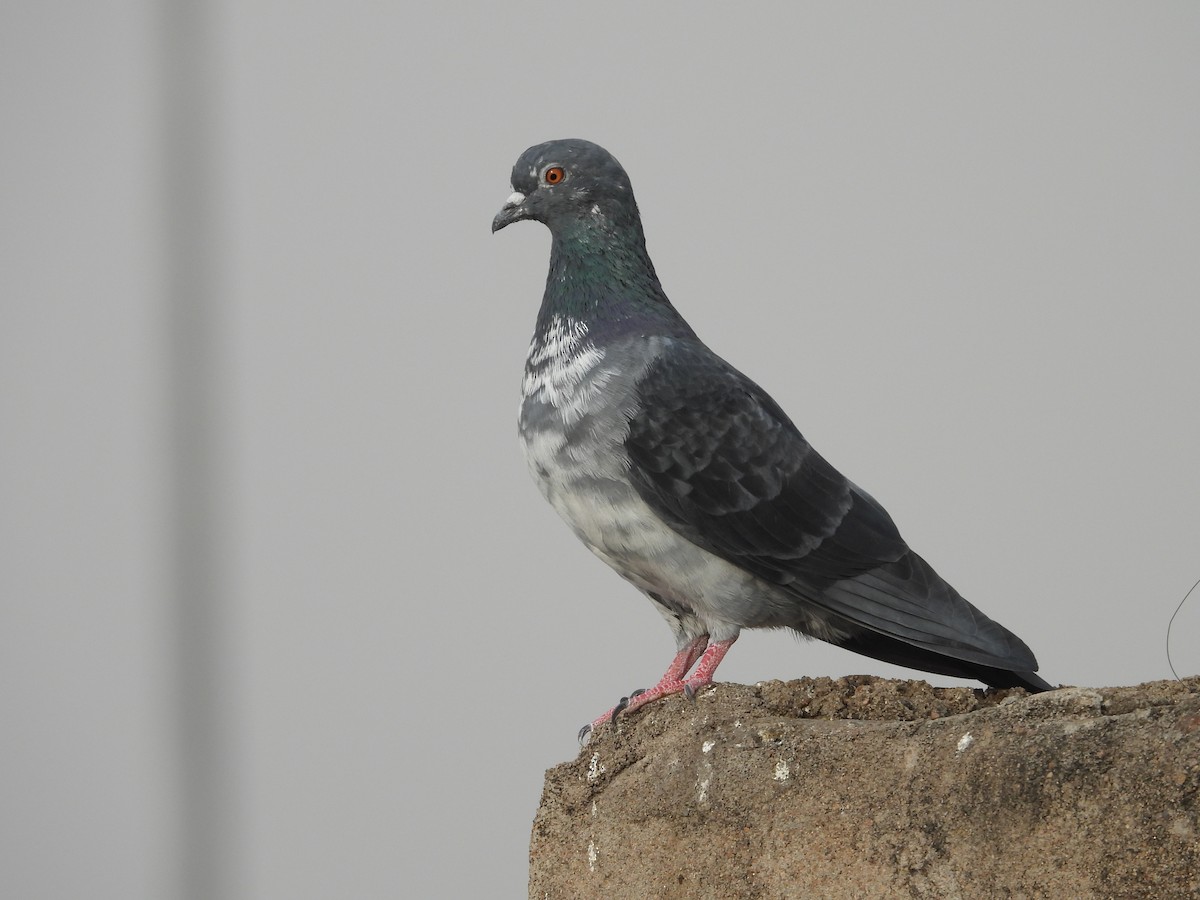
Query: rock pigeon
689	480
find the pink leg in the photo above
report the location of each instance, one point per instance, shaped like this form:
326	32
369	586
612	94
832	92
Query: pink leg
672	682
707	667
685	659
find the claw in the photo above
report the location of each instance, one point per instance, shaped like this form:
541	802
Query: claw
688	692
637	693
617	710
584	733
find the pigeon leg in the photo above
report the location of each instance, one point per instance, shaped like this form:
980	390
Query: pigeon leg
701	678
672	682
683	661
707	666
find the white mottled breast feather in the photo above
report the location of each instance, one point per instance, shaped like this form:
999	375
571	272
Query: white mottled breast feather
559	370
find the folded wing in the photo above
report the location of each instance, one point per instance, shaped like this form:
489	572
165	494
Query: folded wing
721	463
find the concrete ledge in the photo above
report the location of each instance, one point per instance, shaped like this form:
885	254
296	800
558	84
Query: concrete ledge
865	787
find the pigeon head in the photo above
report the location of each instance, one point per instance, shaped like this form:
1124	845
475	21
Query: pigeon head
568	185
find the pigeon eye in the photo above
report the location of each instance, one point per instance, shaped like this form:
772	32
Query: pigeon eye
554	175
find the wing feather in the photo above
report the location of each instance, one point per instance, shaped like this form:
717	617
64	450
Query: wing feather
722	464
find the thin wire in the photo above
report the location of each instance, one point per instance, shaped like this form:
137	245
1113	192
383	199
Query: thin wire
1172	622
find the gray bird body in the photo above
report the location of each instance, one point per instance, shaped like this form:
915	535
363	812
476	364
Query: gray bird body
575	417
687	479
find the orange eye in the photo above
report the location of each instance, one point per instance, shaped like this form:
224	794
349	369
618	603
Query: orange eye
554	175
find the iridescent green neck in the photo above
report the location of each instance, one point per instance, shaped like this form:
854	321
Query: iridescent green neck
603	277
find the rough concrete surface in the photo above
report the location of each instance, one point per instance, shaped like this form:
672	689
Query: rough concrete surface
867	787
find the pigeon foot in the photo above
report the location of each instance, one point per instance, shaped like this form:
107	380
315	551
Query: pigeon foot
705	656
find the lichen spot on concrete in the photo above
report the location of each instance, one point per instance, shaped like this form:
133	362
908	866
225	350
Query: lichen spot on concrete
782	770
965	741
707	746
592	855
595	770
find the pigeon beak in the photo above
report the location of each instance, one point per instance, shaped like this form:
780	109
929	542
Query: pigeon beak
511	211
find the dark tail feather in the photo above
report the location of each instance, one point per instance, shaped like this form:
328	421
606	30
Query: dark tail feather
878	646
1003	678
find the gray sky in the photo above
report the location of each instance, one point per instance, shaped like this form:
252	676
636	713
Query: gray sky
957	243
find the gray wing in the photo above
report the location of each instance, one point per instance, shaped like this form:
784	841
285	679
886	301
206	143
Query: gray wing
717	459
